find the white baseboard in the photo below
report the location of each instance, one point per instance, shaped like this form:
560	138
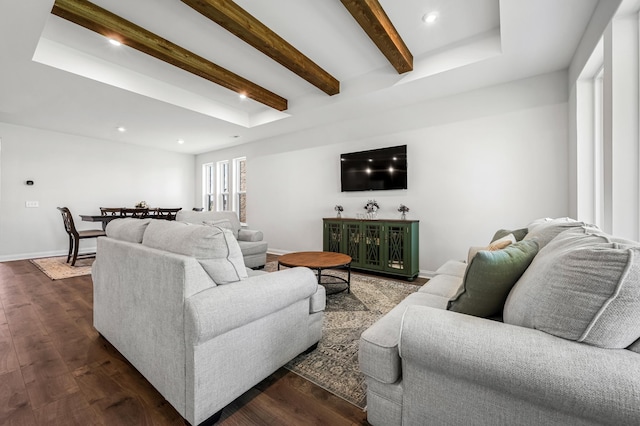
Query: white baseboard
36	255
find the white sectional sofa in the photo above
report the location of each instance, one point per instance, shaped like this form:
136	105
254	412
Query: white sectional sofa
177	302
545	331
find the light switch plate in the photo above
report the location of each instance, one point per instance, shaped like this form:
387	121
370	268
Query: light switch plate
31	204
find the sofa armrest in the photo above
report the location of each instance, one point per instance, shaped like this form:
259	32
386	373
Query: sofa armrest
529	365
225	307
250	235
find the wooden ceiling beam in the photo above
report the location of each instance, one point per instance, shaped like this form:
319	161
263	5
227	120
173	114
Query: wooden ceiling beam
375	22
245	26
102	21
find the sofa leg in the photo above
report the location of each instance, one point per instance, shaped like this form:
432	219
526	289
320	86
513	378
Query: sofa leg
311	348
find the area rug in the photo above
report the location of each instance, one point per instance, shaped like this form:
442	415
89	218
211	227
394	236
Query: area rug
57	268
334	364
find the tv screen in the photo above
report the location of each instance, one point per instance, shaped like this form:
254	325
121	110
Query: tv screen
374	170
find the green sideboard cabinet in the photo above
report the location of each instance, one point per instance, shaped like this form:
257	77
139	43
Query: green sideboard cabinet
386	246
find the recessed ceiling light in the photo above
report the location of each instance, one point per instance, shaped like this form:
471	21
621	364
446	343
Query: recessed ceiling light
430	18
243	96
180	141
115	42
121	129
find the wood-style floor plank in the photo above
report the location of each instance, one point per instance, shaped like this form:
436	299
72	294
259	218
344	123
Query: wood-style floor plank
55	369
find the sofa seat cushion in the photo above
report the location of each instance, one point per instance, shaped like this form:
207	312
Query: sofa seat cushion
215	248
582	287
452	267
490	277
442	285
127	229
378	352
249	248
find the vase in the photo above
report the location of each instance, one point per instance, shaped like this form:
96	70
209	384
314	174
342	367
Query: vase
403	216
339	214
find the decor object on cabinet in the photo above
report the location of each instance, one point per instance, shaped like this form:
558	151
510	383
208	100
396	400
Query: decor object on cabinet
404	210
142	205
385	246
371	206
372	209
339	209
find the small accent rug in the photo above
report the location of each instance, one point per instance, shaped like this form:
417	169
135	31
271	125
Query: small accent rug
57	268
334	364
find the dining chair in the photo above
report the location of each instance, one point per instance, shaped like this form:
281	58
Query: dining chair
111	211
75	236
164	213
137	212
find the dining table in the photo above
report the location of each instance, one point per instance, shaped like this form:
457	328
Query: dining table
99	218
155	213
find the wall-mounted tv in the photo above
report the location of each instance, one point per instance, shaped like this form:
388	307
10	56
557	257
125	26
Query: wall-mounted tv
374	170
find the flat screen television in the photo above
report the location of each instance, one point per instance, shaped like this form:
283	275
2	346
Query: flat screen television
374	170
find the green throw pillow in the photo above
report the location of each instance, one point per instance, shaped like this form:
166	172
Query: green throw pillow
490	277
518	234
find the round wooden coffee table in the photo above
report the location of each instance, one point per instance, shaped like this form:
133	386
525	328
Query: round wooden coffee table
319	261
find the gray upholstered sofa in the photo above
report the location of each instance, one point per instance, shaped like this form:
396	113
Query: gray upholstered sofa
562	346
176	301
254	248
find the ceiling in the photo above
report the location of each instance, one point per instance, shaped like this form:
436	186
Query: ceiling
59	76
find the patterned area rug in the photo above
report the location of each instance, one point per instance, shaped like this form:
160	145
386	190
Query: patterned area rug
334	364
57	268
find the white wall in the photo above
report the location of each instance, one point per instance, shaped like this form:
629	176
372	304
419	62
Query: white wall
82	174
479	161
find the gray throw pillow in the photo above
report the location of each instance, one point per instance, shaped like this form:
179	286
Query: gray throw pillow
518	234
489	278
581	287
215	248
127	229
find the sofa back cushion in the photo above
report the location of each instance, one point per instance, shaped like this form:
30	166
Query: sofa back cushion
215	248
127	229
545	230
581	287
489	278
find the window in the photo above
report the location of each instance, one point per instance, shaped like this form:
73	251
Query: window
598	147
240	188
208	187
223	186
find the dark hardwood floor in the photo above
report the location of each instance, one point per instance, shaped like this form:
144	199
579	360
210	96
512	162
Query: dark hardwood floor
56	370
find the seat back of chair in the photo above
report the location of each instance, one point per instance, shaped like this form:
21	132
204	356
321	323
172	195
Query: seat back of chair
111	211
138	212
67	217
165	213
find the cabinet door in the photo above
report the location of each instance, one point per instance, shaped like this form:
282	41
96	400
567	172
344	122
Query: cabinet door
372	235
332	236
397	259
352	241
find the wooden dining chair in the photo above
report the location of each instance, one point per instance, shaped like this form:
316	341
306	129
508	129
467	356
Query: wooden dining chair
137	212
75	236
111	211
164	213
